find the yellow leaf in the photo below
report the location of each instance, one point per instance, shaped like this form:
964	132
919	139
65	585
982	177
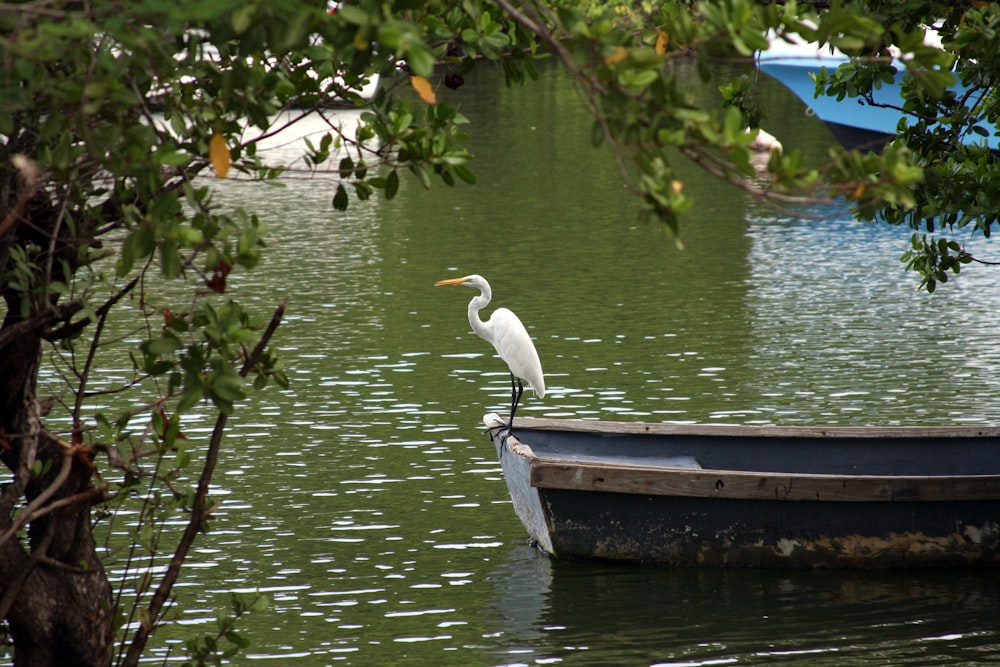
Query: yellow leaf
619	55
858	191
661	42
424	89
677	186
218	153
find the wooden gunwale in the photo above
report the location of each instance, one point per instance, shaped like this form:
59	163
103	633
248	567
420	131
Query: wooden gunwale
749	485
763	431
618	477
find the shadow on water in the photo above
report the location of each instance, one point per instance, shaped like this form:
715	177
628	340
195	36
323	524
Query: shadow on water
594	614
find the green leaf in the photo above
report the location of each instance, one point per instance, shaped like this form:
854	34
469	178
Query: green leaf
391	184
242	17
340	200
6	122
139	244
363	190
170	258
226	388
172	158
192	395
168	343
346	167
356	15
420	171
464	173
421	60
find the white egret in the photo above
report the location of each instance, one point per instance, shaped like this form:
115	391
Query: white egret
764	142
511	340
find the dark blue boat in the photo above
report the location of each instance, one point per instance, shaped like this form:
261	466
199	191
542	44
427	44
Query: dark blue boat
756	496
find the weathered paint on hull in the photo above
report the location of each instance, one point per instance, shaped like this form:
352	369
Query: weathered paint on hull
708	532
526	500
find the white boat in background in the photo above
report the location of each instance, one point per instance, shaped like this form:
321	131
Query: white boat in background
365	93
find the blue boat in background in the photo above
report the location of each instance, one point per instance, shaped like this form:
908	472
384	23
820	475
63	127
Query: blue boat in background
853	121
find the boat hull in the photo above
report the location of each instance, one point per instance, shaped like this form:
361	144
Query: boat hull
710	533
634	507
857	123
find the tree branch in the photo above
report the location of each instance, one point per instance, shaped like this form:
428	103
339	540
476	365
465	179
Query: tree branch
199	508
28	172
83	496
81	391
38	322
28	514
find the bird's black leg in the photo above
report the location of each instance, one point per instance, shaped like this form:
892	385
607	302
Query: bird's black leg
516	389
515	399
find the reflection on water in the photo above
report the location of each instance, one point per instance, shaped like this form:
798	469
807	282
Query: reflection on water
842	335
612	615
366	501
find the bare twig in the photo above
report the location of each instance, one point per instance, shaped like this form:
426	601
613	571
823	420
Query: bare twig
25	516
84	496
199	509
717	168
102	314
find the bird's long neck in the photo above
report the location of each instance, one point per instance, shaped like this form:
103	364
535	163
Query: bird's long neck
482	329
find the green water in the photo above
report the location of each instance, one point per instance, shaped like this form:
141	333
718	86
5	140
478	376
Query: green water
366	501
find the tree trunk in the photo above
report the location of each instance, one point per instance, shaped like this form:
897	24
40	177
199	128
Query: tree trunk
53	587
62	618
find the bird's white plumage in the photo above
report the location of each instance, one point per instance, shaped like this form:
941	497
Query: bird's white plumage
514	345
505	331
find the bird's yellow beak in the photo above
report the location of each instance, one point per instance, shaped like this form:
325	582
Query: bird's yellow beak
450	281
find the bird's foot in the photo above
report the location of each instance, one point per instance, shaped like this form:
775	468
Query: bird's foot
504	435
